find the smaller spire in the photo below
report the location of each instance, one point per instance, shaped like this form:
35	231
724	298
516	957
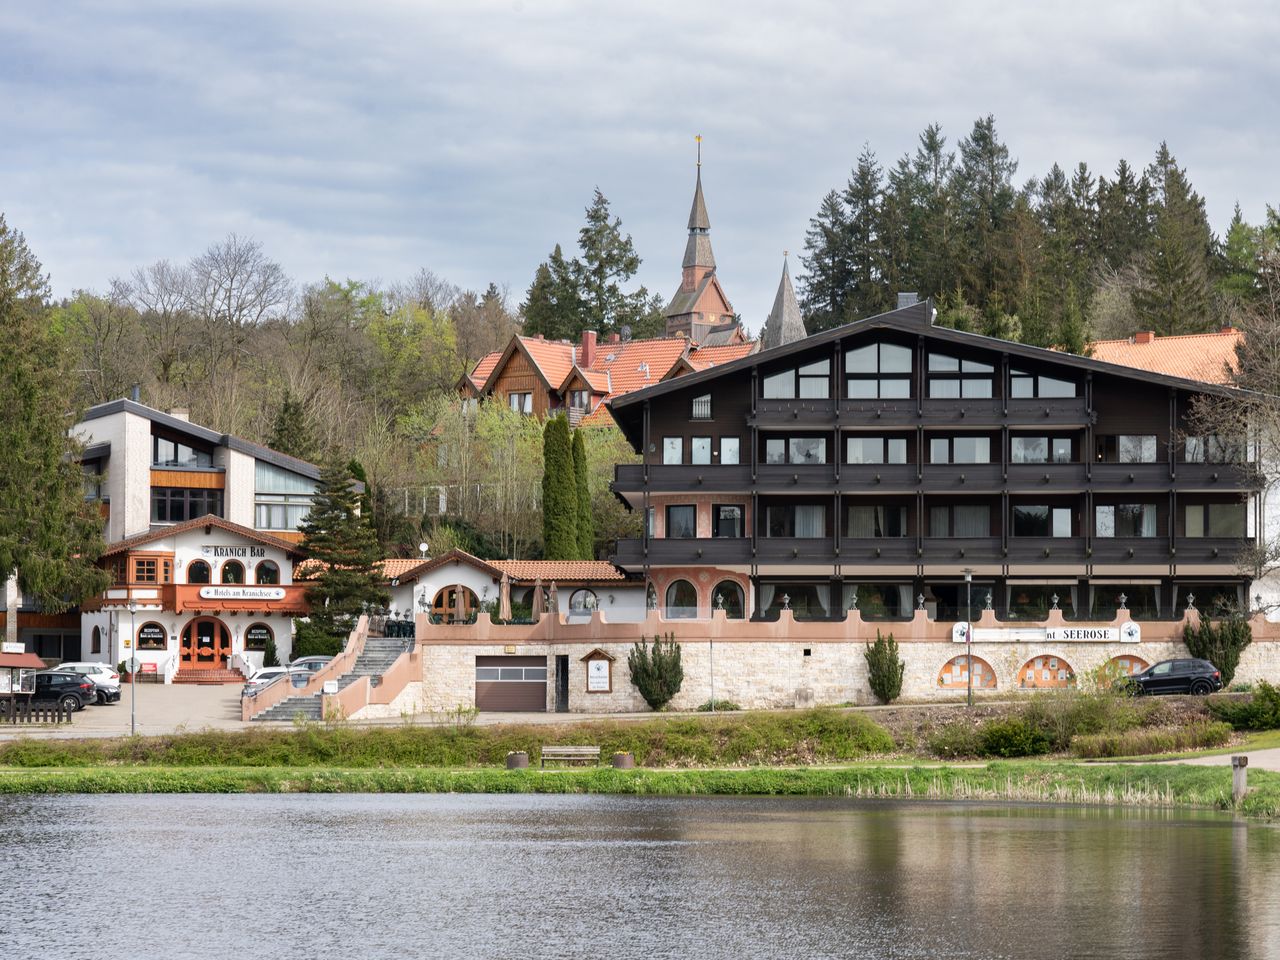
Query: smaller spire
785	324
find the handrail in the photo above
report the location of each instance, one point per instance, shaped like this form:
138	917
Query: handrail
274	692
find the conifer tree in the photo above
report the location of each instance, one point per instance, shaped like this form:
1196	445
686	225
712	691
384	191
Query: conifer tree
828	272
609	259
553	305
291	434
50	535
586	523
559	493
350	575
862	198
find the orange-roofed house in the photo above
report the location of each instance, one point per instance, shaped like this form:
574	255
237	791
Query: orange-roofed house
1207	357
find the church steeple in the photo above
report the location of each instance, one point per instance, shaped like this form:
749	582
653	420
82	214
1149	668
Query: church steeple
699	310
785	323
697	252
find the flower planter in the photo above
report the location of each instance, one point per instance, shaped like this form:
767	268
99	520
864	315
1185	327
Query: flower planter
624	761
518	760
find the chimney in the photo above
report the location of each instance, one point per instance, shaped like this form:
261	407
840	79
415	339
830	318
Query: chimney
614	338
1227	328
588	349
908	300
135	393
180	413
539	336
1144	336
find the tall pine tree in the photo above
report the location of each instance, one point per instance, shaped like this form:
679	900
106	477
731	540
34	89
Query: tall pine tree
553	305
50	535
586	523
828	271
862	200
350	576
291	434
559	493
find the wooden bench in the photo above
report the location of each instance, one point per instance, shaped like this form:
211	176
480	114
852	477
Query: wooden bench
571	754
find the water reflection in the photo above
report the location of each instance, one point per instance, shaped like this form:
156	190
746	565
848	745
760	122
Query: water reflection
568	877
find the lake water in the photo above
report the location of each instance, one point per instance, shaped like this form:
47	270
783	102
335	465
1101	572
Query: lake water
379	876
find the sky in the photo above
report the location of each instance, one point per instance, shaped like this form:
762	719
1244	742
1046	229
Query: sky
374	139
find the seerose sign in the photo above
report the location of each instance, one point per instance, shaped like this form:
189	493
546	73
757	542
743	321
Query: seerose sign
234	592
1128	633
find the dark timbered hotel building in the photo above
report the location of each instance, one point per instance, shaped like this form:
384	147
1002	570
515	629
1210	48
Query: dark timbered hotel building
874	464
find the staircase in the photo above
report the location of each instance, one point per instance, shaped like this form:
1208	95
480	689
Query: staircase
378	655
198	676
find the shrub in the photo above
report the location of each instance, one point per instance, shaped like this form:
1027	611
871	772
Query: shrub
1060	717
1220	644
718	706
656	671
955	741
270	656
1136	743
1012	737
1260	712
884	668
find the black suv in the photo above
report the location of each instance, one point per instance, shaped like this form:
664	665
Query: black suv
1176	676
68	690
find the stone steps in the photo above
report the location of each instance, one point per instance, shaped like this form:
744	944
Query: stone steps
376	658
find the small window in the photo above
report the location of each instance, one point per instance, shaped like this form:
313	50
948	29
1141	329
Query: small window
682	600
700	450
1023	385
807	450
875	450
701	407
521	402
583	601
961	449
95	642
1126	448
233	572
726	520
682	522
673	450
198	572
267	573
729	451
146	570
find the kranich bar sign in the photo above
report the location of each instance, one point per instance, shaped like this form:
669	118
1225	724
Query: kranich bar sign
242	593
1127	633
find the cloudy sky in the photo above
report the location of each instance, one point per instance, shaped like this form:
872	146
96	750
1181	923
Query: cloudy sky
369	140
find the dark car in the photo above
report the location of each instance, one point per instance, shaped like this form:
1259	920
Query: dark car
68	690
1176	676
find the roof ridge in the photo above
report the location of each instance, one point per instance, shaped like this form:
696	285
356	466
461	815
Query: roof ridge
1160	338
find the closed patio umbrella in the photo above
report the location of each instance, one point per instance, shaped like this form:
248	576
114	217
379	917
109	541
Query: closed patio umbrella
459	604
555	598
537	599
504	597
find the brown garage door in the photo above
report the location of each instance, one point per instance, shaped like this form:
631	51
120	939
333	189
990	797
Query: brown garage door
511	683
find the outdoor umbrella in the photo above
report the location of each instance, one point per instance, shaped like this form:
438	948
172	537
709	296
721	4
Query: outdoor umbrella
555	598
537	599
504	597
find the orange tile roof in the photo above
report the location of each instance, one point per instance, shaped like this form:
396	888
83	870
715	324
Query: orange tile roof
553	357
1208	357
599	417
548	570
209	520
484	367
395	566
638	363
704	357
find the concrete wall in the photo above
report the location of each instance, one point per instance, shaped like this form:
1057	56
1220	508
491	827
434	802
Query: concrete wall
240	480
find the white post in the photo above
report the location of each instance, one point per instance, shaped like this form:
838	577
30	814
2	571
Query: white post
1239	778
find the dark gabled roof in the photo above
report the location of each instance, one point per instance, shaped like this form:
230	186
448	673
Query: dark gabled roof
915	319
209	520
170	422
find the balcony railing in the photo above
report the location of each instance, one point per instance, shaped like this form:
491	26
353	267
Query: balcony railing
878	550
1032	477
966	549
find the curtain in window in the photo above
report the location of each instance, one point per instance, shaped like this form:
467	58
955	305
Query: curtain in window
847	594
863	521
765	592
1148	520
972	522
810	521
905	605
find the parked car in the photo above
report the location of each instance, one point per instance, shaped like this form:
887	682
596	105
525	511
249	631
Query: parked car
262	678
300	670
68	690
106	680
1175	676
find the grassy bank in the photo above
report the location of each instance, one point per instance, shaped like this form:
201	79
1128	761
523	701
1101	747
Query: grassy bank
1024	781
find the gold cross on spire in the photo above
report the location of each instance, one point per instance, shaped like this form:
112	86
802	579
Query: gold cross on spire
698	138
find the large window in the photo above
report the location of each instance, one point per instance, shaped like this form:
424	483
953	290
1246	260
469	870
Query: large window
960	449
672	450
1215	520
805	521
198	572
174	504
727	520
266	572
282	498
1127	448
730	451
700	450
968	520
878	371
1125	520
682	522
172	453
1040	450
521	402
1025	385
812	381
875	449
682	600
951	377
727	596
1041	521
806	601
1211	449
799	450
866	523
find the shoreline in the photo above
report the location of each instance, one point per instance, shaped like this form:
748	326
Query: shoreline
1107	785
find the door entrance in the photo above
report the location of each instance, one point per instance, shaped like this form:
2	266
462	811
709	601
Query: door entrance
562	683
206	645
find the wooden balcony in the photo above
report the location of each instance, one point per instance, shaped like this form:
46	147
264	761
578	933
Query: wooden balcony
211	597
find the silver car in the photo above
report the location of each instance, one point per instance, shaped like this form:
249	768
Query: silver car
106	681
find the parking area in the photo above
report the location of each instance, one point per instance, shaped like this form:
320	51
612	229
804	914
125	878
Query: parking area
161	709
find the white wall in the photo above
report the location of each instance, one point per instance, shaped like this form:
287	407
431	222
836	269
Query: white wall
237	501
478	582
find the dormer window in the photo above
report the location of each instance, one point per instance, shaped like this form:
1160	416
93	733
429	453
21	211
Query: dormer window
878	371
810	382
953	378
173	453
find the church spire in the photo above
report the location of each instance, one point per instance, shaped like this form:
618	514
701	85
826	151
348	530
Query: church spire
785	324
697	252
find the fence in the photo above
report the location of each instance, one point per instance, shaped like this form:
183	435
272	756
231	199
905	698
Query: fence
14	710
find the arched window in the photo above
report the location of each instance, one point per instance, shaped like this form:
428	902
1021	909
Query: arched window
153	636
233	572
456	604
198	572
682	600
955	674
1046	671
583	601
728	596
95	644
267	572
257	636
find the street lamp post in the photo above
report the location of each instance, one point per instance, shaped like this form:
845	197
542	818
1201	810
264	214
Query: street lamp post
133	668
968	631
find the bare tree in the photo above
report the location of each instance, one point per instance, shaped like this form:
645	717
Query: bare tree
159	294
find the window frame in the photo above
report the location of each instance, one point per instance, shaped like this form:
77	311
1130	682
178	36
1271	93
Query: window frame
725	460
950	440
885	444
961	375
741	522
668	445
667	524
879	376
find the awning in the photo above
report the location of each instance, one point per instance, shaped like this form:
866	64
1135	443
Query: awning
27	661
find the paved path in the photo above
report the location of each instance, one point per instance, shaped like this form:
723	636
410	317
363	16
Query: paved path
161	709
1268	759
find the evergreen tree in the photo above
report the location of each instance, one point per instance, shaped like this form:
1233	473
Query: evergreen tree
828	271
1174	295
984	199
1239	282
933	228
553	305
291	434
559	493
609	259
350	576
862	199
586	522
49	533
1124	217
